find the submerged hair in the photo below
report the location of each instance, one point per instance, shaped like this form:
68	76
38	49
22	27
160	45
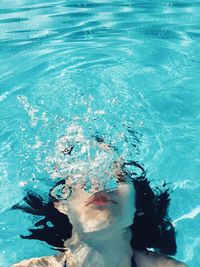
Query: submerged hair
54	227
151	227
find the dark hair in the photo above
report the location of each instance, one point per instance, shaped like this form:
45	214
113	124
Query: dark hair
151	227
54	227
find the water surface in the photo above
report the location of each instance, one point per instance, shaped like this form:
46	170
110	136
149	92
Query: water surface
127	70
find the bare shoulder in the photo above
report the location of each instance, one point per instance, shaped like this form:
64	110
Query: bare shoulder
152	259
50	261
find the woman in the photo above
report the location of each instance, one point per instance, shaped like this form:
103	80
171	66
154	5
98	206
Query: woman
112	227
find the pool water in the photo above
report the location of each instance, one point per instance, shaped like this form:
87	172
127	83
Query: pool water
124	70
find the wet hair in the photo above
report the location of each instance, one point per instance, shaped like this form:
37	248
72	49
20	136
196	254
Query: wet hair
151	226
54	227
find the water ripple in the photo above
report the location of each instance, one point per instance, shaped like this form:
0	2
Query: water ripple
126	70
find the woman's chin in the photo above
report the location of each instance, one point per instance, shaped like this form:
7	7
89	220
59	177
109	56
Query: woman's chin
94	220
105	222
97	226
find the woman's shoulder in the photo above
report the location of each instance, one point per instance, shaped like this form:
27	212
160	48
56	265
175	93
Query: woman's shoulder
152	259
47	261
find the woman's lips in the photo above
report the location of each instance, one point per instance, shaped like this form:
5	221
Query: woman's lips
99	199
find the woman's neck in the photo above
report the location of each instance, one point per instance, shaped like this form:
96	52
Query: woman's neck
101	249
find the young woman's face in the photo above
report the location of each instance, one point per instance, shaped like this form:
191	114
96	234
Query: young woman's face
94	212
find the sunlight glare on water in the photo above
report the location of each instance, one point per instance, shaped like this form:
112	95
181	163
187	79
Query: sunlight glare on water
127	71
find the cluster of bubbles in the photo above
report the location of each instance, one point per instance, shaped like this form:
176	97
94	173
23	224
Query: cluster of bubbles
83	155
82	161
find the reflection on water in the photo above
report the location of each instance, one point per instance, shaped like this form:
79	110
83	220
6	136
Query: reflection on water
127	71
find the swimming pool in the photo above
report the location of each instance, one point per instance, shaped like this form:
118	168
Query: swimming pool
127	70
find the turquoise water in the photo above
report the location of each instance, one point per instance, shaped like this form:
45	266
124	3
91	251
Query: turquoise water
127	70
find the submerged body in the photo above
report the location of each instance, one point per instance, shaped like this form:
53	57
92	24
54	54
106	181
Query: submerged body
111	228
101	236
85	256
